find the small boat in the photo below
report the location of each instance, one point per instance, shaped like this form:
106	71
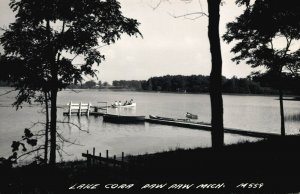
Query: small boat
186	121
191	116
123	118
124	106
161	118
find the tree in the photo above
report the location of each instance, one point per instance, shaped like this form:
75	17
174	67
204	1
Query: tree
105	84
217	133
215	89
48	35
16	71
256	31
99	84
90	84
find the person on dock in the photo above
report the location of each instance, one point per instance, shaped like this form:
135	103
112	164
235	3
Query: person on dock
120	103
125	103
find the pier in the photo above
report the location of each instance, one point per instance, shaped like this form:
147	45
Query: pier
207	127
78	109
87	109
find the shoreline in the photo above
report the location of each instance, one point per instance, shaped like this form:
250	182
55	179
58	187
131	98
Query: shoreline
234	164
167	92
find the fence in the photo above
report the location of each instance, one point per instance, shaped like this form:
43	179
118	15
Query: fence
93	159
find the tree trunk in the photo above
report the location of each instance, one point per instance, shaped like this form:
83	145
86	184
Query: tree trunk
280	91
47	128
217	133
281	112
53	95
53	126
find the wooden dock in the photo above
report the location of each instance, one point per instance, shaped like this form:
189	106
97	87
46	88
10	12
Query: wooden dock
82	108
207	127
85	109
78	109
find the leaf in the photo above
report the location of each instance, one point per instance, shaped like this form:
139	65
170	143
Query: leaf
32	142
15	146
28	133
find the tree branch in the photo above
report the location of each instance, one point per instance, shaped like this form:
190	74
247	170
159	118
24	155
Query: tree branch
199	14
158	4
77	126
31	151
93	48
2	29
63	139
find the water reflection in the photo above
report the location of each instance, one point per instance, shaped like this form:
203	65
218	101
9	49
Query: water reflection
122	111
292	117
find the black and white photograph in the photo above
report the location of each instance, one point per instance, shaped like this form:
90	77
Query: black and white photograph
149	96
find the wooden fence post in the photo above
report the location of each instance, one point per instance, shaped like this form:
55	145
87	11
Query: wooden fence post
93	161
115	160
88	109
79	113
88	159
70	108
106	153
100	159
106	107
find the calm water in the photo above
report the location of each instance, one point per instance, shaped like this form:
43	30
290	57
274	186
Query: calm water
256	113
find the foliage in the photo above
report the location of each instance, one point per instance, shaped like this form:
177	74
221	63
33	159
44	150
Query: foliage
28	138
256	30
129	84
45	30
90	84
289	83
46	37
200	84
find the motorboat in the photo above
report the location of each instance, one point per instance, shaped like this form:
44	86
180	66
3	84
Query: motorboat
123	106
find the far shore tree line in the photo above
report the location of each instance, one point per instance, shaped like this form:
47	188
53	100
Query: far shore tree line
253	84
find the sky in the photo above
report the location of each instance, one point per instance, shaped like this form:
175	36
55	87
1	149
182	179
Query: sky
169	46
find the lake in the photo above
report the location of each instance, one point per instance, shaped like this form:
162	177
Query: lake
255	113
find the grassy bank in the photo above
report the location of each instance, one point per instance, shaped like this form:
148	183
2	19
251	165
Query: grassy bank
273	162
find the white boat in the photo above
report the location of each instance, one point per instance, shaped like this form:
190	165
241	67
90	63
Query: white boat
124	106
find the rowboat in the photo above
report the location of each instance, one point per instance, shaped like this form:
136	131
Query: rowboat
161	118
191	116
123	118
124	106
187	121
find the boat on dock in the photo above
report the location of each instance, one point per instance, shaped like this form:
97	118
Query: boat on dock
161	118
187	121
191	116
123	118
